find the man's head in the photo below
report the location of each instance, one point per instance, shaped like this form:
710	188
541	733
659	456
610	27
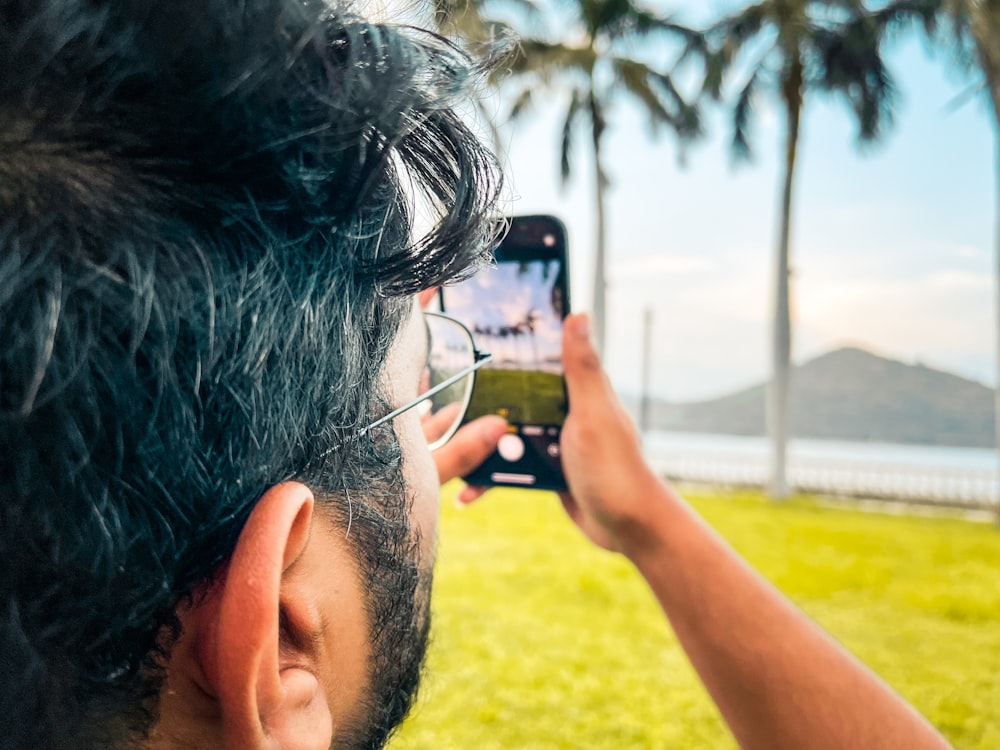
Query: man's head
205	262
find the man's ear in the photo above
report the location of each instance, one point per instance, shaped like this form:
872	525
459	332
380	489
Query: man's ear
263	705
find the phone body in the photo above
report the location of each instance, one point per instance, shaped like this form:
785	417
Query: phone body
515	310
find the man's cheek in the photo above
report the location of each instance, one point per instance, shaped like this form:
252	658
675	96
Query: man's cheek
422	481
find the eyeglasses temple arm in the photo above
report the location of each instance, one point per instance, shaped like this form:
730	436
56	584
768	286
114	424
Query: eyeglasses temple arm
481	359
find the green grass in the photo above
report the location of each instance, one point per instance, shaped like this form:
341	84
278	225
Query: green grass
529	396
541	641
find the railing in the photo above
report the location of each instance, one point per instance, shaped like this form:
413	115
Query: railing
961	488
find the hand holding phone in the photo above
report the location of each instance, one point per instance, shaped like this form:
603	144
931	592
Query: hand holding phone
515	310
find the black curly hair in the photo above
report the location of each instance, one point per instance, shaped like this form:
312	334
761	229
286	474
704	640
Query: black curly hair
206	249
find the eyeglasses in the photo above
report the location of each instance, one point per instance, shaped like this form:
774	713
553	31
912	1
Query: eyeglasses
446	382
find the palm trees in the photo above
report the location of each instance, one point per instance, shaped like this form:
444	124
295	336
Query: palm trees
796	48
793	49
592	63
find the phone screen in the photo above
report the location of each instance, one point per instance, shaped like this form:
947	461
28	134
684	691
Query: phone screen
515	310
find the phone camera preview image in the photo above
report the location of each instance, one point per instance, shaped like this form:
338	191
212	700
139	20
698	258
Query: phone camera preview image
515	311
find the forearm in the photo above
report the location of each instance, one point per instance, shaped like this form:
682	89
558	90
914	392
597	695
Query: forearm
778	679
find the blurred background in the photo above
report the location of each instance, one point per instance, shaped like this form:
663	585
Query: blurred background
891	240
661	134
890	301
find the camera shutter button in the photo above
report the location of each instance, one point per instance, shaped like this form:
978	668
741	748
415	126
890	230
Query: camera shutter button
510	448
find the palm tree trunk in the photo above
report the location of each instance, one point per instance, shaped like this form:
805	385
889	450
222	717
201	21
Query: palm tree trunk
778	392
600	230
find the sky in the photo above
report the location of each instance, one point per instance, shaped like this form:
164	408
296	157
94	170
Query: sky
891	245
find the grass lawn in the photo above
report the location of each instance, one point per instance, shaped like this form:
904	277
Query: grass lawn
541	641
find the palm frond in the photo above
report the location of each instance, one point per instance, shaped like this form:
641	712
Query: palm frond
728	37
470	21
850	64
966	95
635	77
742	115
734	31
899	15
716	67
704	55
597	127
659	96
601	15
460	18
566	143
641	23
954	29
522	102
686	117
549	59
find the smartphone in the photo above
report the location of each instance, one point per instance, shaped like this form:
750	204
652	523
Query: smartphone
515	310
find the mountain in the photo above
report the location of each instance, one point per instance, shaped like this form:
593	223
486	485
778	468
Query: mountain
852	394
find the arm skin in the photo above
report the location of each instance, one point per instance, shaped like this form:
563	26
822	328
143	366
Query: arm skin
778	679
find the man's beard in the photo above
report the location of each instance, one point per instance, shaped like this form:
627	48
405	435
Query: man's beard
398	589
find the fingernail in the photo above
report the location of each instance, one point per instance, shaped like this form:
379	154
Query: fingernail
581	326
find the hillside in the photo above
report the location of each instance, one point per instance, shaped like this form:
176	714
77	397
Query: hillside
852	394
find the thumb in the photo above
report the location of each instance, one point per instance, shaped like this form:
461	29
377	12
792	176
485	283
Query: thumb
469	447
585	379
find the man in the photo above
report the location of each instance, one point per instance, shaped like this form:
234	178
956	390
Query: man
206	252
217	512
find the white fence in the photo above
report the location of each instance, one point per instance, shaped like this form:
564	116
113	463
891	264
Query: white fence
963	487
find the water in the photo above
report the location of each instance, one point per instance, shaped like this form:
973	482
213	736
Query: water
945	457
949	475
